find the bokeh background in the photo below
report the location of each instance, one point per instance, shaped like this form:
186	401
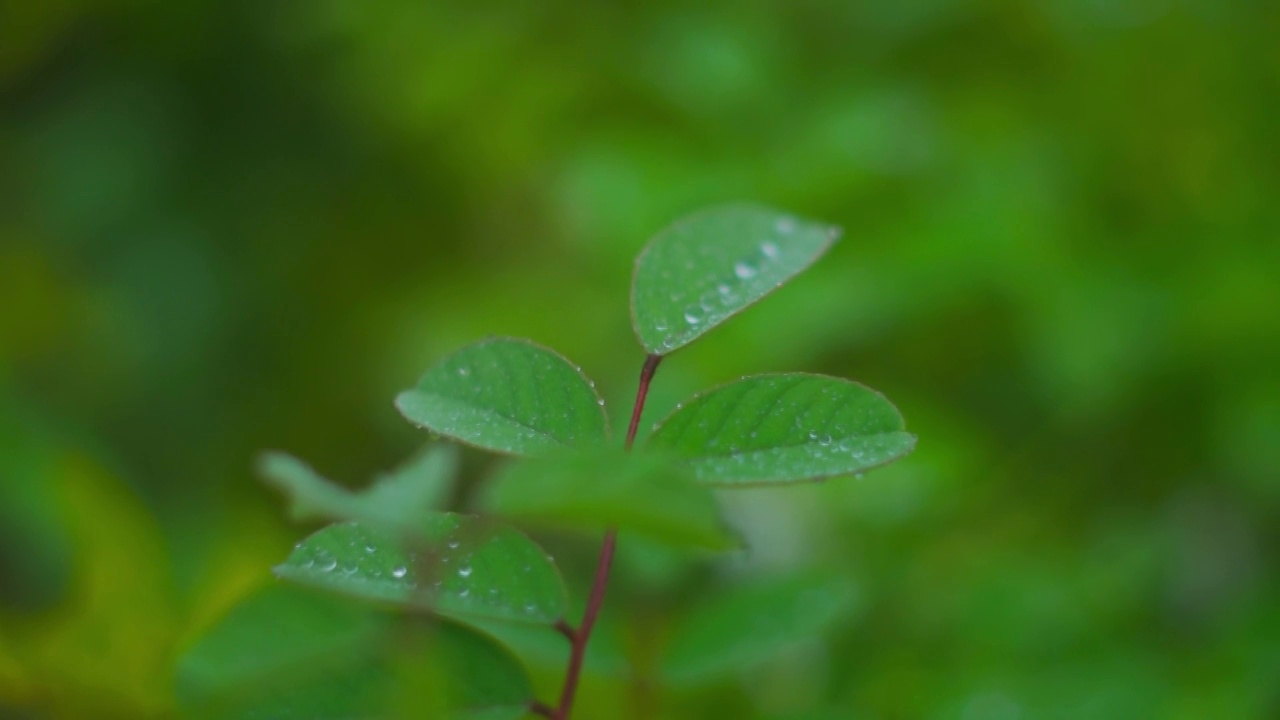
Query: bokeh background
234	225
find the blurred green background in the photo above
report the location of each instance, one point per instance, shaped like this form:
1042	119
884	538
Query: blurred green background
227	226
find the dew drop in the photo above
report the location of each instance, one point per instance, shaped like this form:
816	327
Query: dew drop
770	250
785	225
824	440
600	402
464	571
743	270
328	565
399	572
465	592
693	316
369	549
453	543
464	371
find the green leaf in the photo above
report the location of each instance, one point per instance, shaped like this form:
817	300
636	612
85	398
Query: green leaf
509	396
708	267
784	428
460	567
397	499
646	494
745	626
289	653
543	648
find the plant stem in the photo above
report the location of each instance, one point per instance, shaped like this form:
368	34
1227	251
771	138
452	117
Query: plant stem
646	375
579	637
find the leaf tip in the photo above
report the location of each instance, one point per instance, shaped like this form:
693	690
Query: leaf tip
277	469
912	439
401	399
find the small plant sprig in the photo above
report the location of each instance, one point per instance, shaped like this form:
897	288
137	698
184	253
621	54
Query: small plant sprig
475	573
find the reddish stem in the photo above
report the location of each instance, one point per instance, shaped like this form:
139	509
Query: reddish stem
580	636
646	374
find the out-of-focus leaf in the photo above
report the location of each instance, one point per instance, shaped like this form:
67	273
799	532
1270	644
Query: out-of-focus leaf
708	267
460	566
103	646
545	648
744	626
510	396
36	552
647	494
289	653
394	500
784	428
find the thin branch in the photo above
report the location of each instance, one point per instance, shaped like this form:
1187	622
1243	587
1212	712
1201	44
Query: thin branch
579	650
646	375
582	635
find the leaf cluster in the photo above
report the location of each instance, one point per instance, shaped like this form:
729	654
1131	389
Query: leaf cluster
457	582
